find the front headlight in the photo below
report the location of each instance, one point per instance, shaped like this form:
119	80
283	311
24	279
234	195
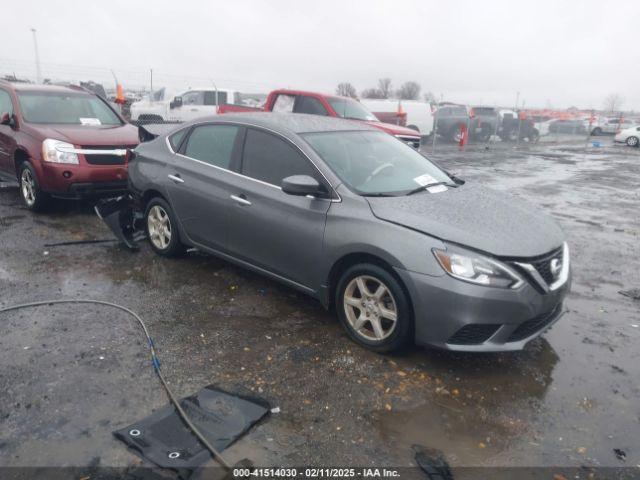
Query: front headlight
56	151
478	269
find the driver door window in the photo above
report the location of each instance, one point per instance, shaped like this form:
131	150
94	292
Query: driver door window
6	106
193	98
310	105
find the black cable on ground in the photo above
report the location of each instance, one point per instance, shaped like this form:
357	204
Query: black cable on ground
154	361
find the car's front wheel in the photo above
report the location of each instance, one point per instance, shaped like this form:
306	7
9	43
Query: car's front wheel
374	308
162	228
632	141
33	198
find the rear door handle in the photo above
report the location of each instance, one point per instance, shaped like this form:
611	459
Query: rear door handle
240	200
176	178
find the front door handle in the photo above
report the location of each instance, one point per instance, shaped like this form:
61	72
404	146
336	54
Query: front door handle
240	200
176	178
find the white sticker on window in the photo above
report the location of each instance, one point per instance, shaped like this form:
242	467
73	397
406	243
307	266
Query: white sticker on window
424	180
90	121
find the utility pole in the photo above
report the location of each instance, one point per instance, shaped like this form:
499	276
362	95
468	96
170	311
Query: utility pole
35	46
517	99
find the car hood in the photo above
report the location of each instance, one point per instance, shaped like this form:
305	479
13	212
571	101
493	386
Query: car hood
394	129
85	135
474	216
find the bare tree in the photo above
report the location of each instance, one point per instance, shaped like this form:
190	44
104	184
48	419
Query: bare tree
409	91
372	93
613	102
384	86
429	97
345	89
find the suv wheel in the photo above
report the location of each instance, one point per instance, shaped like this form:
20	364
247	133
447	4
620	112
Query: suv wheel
162	228
373	308
632	141
33	198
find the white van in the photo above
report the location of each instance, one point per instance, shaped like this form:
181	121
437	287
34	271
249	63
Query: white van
419	115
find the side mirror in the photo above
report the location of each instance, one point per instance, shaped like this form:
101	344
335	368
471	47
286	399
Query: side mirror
177	102
7	119
303	185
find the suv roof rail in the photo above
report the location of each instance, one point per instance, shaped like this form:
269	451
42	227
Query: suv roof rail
79	88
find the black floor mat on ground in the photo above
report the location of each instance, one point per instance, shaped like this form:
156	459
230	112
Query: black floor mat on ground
221	417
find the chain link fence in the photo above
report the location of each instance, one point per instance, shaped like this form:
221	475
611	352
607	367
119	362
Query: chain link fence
156	96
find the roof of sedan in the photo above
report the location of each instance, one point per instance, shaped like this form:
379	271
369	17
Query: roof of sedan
293	122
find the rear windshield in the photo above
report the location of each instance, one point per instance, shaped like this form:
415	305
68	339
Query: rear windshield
66	108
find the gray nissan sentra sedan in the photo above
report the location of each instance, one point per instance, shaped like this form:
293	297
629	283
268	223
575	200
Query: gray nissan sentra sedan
400	249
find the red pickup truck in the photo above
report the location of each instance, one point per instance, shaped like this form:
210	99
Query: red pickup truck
329	105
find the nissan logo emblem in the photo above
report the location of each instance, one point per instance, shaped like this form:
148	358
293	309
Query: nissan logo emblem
555	267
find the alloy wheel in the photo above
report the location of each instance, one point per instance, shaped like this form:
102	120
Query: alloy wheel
370	308
632	141
159	227
28	187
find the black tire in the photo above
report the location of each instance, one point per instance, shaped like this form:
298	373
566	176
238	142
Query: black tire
174	246
632	141
413	127
32	196
401	333
596	131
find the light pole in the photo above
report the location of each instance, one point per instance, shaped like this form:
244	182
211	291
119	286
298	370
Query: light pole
35	46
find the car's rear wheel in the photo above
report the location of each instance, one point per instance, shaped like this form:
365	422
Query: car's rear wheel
632	141
33	198
596	131
162	228
374	308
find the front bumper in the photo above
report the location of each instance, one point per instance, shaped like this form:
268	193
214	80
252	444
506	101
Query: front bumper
82	181
456	315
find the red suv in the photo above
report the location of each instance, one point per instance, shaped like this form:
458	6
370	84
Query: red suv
62	141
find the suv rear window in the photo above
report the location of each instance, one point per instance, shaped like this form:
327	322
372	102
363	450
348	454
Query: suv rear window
66	108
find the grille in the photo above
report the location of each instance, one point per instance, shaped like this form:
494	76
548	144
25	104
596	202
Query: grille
474	334
543	265
528	328
103	158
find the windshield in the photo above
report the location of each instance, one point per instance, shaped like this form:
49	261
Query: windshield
351	109
66	108
375	163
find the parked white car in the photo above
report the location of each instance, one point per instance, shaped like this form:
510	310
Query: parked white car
630	136
194	103
419	114
611	125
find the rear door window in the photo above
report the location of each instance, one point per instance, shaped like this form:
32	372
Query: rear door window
212	144
310	105
270	158
284	103
176	138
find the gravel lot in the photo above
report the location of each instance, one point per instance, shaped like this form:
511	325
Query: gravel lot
70	375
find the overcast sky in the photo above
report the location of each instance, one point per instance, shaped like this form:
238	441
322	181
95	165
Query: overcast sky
554	53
